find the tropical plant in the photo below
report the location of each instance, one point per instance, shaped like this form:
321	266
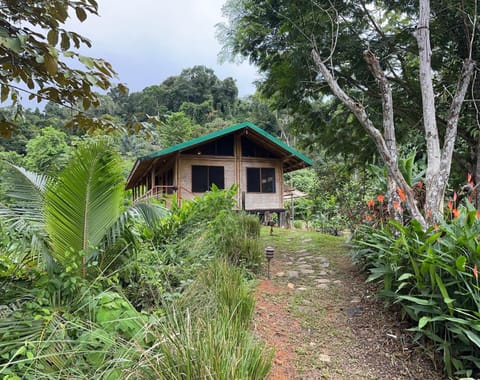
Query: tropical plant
76	217
433	276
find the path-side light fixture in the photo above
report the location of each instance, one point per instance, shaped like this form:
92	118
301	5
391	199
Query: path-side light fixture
269	251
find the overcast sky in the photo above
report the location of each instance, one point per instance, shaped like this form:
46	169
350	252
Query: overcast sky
147	41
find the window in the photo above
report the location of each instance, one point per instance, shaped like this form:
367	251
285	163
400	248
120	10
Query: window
260	180
251	148
221	147
203	177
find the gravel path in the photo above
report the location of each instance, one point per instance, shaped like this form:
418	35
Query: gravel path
324	322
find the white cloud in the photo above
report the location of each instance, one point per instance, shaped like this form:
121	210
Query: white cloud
149	40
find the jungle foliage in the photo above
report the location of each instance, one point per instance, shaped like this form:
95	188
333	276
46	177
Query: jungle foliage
94	287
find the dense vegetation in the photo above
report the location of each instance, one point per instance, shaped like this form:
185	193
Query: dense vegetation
95	288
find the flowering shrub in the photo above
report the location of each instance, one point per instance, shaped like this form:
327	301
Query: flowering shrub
432	275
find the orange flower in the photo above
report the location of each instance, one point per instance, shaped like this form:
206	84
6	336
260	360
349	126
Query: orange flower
401	194
455	212
380	198
370	203
435	227
454	196
396	205
475	272
469	177
478	214
450	205
368	218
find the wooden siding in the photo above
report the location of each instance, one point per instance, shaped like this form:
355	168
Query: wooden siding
262	201
253	201
185	171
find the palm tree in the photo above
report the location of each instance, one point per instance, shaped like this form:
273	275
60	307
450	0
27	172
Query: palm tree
76	217
71	226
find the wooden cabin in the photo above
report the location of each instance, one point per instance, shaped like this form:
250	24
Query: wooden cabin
242	154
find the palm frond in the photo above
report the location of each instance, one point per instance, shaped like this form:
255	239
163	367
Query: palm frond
25	193
84	203
121	240
23	212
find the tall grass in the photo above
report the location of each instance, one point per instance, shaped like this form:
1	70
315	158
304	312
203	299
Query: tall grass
206	335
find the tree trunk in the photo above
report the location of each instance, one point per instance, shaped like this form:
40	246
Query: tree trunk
434	192
439	161
391	162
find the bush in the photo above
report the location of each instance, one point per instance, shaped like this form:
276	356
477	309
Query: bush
433	276
194	234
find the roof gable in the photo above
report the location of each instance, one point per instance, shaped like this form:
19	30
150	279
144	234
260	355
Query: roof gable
297	159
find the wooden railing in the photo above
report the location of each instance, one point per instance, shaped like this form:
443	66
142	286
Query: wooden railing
164	193
158	192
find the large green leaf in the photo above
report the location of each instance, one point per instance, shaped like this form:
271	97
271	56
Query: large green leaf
84	203
23	213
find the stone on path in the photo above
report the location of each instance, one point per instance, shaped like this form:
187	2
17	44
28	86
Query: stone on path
304	266
322	280
324	265
280	274
292	274
324	358
302	288
322	286
354	311
290	286
307	271
322	273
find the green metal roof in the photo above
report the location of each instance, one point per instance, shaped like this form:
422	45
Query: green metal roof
140	163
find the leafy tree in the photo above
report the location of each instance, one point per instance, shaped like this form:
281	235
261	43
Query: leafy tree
312	50
256	110
48	152
197	91
35	49
177	128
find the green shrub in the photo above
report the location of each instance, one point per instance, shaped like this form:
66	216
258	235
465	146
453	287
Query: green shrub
185	243
297	224
433	276
234	236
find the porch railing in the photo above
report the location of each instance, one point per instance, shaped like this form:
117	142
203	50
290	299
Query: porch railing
158	192
165	193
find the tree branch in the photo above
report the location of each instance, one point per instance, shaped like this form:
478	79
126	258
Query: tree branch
454	114
359	111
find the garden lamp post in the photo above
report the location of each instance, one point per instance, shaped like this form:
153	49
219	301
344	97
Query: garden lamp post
269	251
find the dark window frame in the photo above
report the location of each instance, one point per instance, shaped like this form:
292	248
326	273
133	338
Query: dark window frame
261	180
204	176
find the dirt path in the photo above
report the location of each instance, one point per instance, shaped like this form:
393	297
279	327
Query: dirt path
324	322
